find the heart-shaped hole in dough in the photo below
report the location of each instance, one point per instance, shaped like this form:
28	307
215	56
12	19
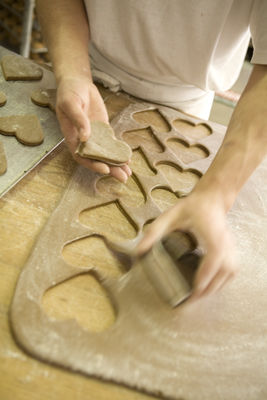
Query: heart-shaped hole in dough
185	152
190	130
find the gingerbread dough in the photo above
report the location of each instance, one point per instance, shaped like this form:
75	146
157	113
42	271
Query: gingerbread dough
103	146
188	353
2	99
26	128
45	98
16	68
3	162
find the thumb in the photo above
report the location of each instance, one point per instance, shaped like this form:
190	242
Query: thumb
76	115
158	228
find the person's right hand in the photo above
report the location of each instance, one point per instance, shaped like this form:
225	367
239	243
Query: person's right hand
78	103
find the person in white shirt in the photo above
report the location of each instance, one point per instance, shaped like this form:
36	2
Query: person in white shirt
176	53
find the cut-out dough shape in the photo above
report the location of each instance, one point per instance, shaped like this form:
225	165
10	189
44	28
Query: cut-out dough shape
185	152
16	68
3	162
81	298
3	99
45	98
92	251
192	131
153	118
129	193
109	220
140	165
164	198
26	128
180	181
103	146
143	138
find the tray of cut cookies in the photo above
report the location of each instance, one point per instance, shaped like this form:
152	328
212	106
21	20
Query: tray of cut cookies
28	125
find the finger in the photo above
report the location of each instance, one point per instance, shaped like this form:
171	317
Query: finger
119	174
95	166
84	135
160	227
207	270
127	169
217	282
98	111
77	116
227	271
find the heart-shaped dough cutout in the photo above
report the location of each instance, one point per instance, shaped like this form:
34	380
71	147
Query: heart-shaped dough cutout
26	128
2	99
16	68
103	146
45	98
3	162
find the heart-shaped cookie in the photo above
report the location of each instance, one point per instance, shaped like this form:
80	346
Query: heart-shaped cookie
103	146
2	99
16	68
45	98
3	162
26	128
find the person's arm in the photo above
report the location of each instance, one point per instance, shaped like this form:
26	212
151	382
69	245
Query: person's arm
203	212
66	32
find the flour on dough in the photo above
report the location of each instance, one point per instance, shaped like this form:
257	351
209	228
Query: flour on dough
103	146
45	98
17	68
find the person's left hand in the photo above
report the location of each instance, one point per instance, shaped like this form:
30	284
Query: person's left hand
205	219
78	103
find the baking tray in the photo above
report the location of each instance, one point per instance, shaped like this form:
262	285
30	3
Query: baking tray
20	158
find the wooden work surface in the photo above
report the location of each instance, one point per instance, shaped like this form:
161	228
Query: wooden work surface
236	320
23	213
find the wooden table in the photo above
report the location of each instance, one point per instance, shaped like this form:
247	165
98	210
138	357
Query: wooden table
23	213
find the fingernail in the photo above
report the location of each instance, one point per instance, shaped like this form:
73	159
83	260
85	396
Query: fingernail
83	135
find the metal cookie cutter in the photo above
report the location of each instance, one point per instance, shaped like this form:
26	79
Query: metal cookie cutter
170	266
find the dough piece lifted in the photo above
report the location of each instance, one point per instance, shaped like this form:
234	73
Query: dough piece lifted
3	162
103	146
2	99
26	128
45	98
17	68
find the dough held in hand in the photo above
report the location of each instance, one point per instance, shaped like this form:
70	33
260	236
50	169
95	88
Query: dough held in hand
17	68
103	146
26	128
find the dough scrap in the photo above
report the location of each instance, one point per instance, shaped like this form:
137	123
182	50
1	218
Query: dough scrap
45	98
26	128
3	99
103	146
3	162
17	68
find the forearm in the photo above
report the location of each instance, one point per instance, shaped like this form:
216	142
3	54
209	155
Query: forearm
66	32
244	146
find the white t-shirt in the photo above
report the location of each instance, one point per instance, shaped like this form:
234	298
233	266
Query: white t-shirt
176	52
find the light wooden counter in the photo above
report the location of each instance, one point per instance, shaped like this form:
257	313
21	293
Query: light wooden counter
23	213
